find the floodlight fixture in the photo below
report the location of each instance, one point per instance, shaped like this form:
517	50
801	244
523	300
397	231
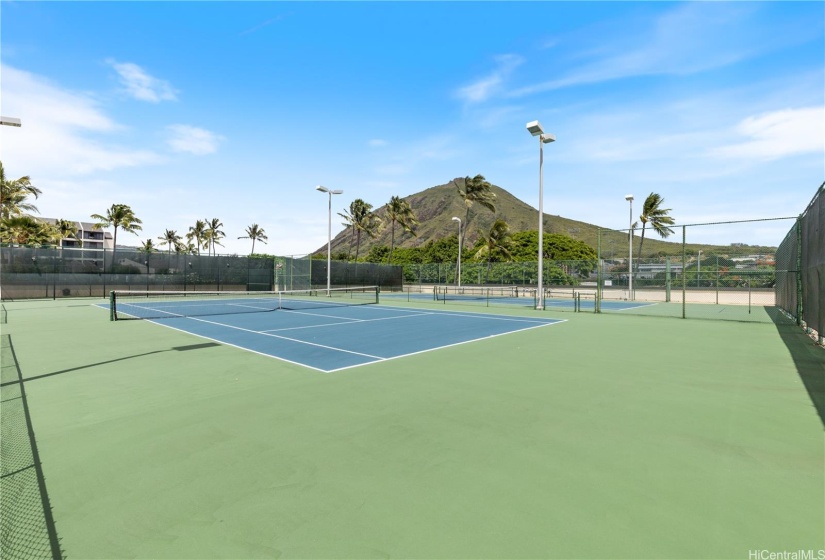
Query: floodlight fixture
10	121
534	128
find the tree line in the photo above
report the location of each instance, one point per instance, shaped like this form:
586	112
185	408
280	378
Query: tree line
19	227
497	244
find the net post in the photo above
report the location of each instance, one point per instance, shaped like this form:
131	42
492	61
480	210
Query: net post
112	311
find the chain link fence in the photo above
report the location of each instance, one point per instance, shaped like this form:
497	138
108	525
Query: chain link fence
715	273
27	528
49	272
800	269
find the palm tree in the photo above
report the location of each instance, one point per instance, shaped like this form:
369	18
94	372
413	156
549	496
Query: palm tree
171	238
197	233
370	224
349	222
496	244
147	247
213	234
187	248
657	216
25	230
118	216
66	229
357	210
472	190
255	233
398	210
361	218
13	195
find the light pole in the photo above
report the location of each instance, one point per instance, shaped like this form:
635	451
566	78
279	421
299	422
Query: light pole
458	263
535	129
698	267
629	198
329	230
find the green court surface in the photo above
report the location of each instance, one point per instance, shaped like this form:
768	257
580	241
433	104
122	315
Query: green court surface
606	436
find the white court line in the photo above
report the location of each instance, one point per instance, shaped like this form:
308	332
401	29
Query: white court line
634	307
288	338
516	318
315	314
225	343
252	306
449	345
344	321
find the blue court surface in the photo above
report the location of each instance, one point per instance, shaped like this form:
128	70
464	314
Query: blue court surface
336	338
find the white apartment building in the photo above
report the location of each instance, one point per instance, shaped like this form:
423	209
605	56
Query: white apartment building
89	237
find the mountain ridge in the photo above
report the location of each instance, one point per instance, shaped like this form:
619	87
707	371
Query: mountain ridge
435	207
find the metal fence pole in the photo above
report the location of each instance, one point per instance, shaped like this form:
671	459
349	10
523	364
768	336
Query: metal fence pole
800	307
597	303
684	269
54	274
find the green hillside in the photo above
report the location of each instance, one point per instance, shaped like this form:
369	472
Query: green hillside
436	206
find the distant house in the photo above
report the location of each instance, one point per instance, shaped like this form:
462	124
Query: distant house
650	270
89	238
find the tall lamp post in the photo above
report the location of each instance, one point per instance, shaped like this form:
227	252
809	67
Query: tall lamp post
458	263
629	198
535	129
329	230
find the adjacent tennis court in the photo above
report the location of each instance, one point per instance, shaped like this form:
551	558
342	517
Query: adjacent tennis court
518	296
326	330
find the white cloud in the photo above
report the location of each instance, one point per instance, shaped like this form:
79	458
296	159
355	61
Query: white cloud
59	128
689	39
377	143
140	85
192	140
485	87
778	134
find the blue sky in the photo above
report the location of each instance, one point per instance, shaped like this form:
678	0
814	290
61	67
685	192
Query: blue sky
236	111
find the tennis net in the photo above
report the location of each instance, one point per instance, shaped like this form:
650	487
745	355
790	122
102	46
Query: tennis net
131	304
508	294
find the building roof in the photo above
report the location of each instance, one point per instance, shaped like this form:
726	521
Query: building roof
81	226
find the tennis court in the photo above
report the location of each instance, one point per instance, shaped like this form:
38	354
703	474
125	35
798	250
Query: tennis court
607	436
324	330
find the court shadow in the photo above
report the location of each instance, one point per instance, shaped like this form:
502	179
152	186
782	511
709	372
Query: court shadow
62	371
195	346
807	356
